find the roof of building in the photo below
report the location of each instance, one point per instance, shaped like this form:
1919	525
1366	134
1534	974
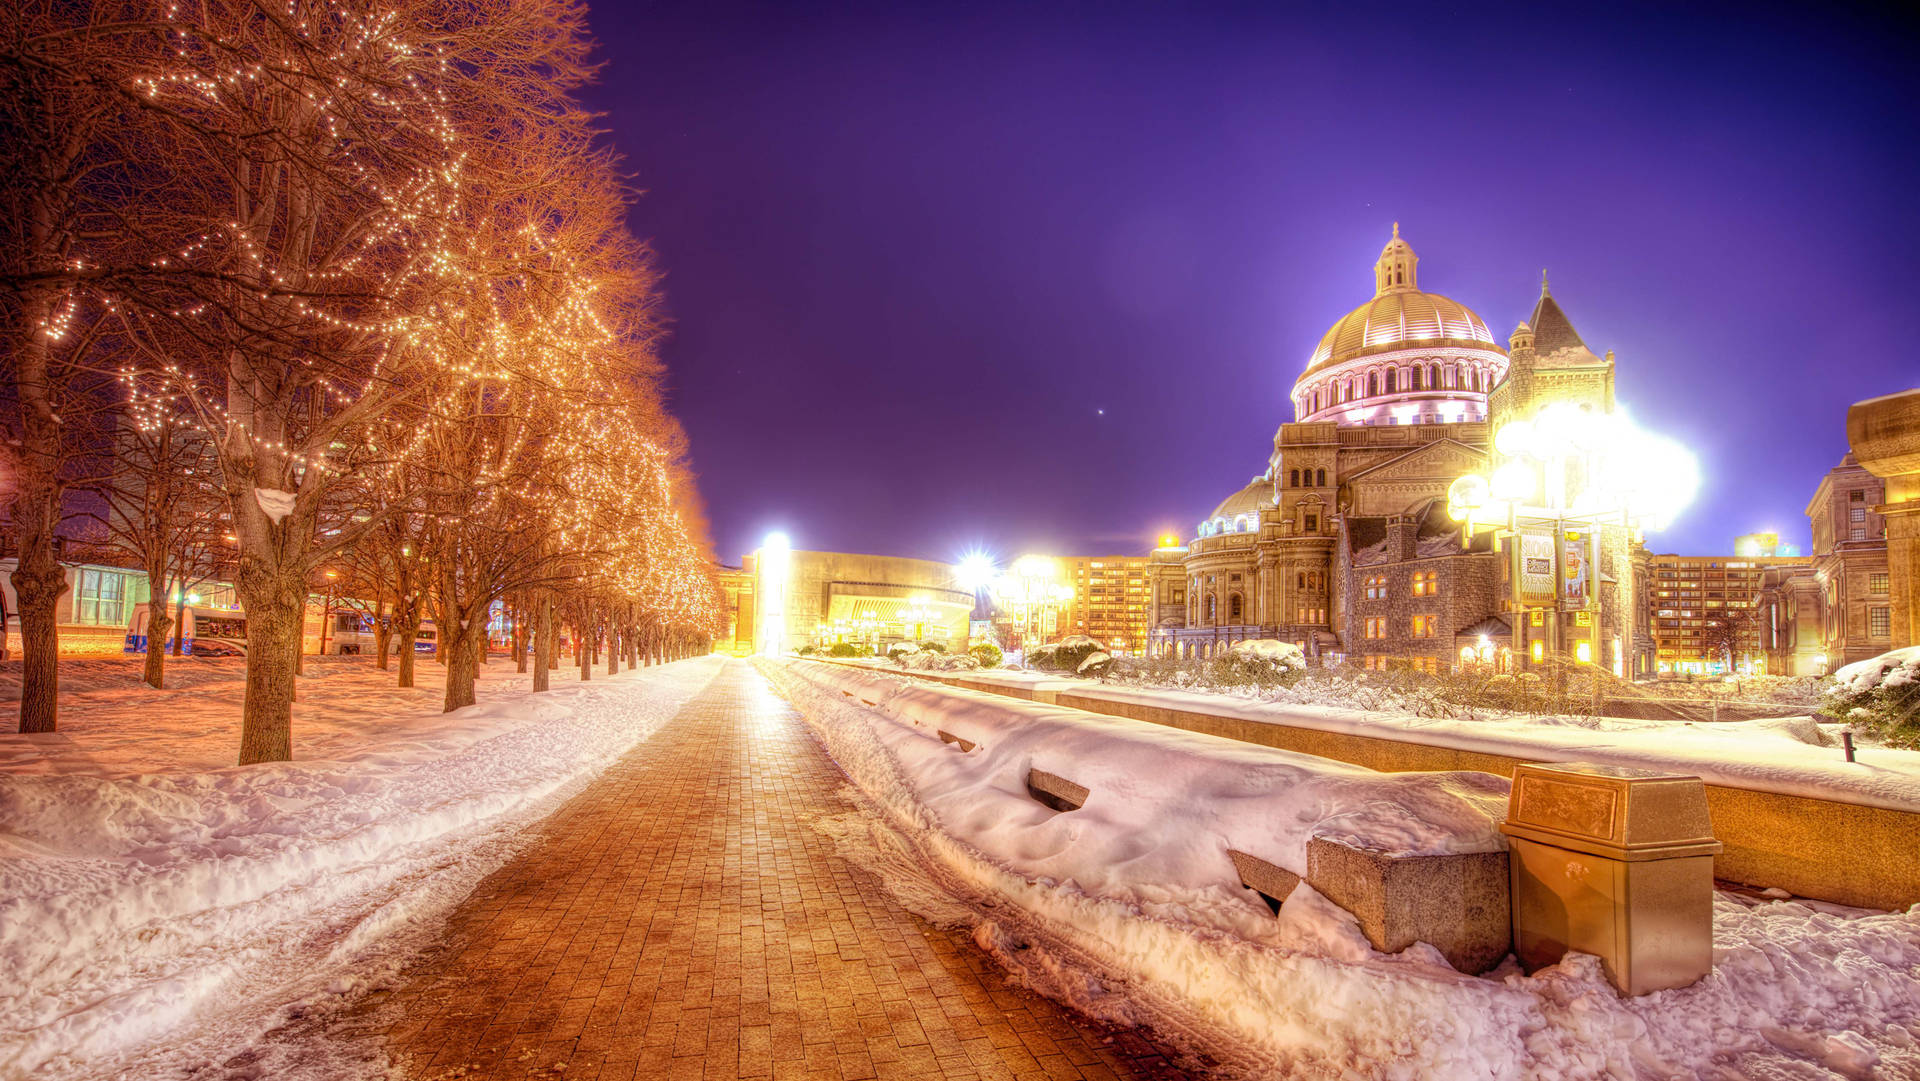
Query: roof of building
1555	342
1400	316
1255	497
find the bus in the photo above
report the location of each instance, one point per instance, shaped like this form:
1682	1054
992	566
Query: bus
208	632
352	633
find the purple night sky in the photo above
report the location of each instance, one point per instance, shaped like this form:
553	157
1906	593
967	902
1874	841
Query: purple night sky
911	254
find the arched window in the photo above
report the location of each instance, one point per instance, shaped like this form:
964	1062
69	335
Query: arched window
1373	383
1392	379
1293	478
1210	608
1433	376
1233	608
1300	580
1415	385
1320	478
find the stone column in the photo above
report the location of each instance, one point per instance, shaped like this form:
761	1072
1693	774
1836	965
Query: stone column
1885	437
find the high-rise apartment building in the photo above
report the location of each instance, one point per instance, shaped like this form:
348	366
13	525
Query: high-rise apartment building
1705	611
1112	600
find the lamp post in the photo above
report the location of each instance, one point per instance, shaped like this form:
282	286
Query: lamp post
1560	482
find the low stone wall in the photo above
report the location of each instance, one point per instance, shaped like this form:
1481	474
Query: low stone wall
1847	853
1842	852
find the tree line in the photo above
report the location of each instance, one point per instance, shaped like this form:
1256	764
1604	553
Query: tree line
305	287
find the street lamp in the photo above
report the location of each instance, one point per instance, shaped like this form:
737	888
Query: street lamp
1558	480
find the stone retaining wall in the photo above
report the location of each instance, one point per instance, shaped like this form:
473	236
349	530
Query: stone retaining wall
1826	849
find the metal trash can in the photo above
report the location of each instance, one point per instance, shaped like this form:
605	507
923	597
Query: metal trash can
1616	862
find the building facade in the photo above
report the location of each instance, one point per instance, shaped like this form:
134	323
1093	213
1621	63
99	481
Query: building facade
1342	544
1708	617
1850	562
787	598
1111	600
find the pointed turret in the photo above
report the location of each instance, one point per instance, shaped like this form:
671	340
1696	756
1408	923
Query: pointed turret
1553	332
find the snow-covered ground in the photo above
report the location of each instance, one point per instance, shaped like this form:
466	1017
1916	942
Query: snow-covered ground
161	909
1129	908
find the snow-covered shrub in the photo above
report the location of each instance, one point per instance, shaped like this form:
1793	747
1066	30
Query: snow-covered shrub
933	646
1881	695
987	655
808	651
1065	655
1097	664
845	649
900	650
1258	662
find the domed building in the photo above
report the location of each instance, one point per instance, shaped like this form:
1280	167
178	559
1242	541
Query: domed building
1343	544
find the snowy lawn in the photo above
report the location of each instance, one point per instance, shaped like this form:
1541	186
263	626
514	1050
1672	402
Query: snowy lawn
161	908
1129	907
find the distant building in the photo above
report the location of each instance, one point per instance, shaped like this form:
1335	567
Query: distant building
1706	612
1343	545
1112	596
781	599
1884	434
1836	605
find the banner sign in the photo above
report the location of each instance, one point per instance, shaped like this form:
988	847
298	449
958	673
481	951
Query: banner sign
1536	569
1575	565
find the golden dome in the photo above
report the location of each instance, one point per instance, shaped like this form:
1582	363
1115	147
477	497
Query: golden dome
1400	316
1254	498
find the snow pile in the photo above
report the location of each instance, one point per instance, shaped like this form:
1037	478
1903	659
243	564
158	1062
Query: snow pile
1280	654
1888	671
146	911
1129	909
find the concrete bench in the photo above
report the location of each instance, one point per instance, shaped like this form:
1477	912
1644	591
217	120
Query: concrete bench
1056	792
1462	905
1270	880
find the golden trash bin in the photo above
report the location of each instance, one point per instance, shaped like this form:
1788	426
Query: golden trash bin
1616	862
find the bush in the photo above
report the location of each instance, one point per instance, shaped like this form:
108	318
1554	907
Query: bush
1881	697
987	654
1066	655
808	651
900	651
845	649
934	647
1097	664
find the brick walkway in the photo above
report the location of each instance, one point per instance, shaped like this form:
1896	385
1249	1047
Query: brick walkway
681	919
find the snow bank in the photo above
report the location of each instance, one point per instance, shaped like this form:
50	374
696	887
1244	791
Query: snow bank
1129	909
136	910
1899	668
1789	755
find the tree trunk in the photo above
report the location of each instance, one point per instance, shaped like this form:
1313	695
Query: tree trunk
39	580
38	583
407	633
180	620
613	649
586	647
158	624
519	611
276	616
463	663
543	657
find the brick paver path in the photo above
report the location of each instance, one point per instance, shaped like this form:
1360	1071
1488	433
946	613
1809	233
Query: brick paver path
681	919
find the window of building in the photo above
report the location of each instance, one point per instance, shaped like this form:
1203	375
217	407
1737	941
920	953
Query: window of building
1426	583
1392	379
1879	622
1423	625
1856	533
1856	514
1313	523
1857	497
1373	383
1293	478
1414	378
1376	627
103	597
1210	609
1376	587
1320	478
1877	582
1233	608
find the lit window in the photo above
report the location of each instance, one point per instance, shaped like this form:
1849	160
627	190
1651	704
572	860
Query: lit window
1377	627
1426	583
1877	583
1879	622
1376	588
1423	626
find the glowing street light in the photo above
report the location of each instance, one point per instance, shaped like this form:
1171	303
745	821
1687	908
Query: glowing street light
772	568
1558	478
